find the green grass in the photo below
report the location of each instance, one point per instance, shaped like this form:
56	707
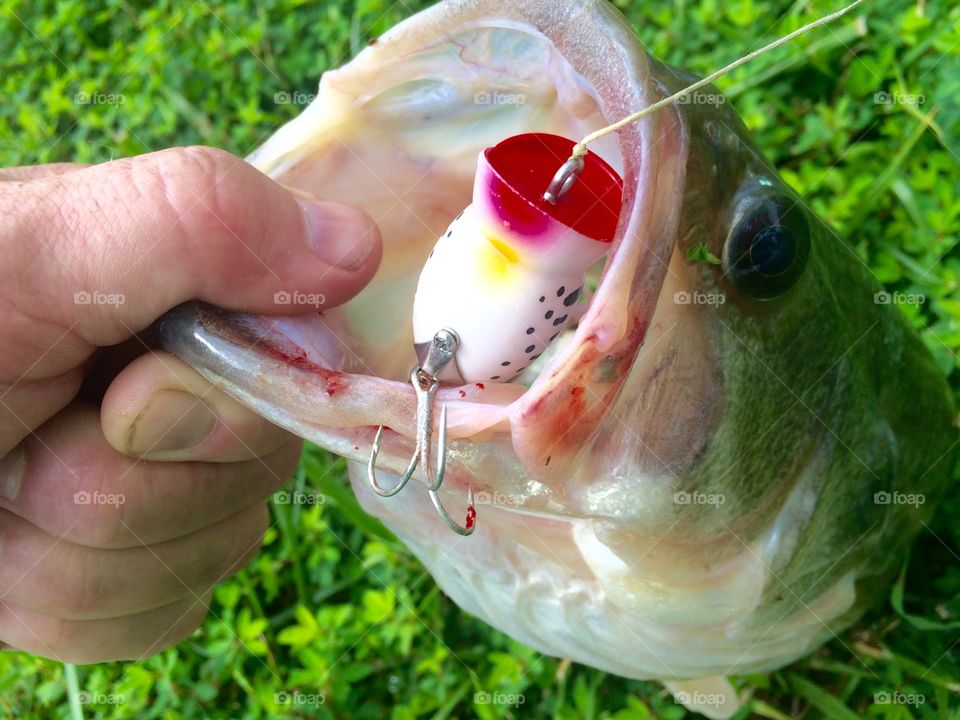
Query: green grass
334	606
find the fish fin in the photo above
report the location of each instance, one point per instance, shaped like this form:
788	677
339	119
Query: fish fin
713	697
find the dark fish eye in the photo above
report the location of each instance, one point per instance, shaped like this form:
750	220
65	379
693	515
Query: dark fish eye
767	248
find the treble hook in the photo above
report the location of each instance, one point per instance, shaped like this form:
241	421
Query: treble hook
425	383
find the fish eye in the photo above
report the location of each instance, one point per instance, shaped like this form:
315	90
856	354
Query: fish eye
767	247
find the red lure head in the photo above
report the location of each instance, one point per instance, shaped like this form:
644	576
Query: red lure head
519	171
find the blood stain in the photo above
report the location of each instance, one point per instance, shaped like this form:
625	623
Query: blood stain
298	358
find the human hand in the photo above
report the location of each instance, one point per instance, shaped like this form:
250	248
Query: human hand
116	521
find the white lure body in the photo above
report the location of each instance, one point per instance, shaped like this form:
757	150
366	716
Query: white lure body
507	271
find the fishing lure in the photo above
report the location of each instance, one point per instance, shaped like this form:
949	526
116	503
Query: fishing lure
506	273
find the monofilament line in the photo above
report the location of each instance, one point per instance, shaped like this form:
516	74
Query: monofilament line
581	147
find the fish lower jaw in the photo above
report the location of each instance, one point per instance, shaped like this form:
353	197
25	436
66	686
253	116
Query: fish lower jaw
570	596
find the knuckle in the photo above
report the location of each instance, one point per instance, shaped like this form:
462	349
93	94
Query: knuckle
212	196
63	637
104	510
193	164
82	591
183	625
192	180
182	174
248	539
106	530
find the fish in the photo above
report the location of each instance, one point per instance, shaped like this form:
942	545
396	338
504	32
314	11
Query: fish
722	460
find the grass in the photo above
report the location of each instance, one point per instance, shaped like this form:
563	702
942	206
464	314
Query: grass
334	610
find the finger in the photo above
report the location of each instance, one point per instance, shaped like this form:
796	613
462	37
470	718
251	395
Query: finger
160	408
149	232
132	637
26	173
70	483
55	577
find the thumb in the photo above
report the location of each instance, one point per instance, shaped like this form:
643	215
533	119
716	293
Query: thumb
113	246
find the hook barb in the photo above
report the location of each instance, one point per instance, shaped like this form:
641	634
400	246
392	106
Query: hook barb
470	524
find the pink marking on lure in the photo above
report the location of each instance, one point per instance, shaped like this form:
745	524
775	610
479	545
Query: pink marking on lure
521	167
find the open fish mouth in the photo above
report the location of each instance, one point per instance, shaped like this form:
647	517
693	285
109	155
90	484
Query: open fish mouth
659	497
397	132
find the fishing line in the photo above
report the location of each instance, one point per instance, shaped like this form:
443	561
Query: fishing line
567	174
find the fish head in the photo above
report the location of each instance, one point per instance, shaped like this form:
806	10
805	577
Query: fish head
686	483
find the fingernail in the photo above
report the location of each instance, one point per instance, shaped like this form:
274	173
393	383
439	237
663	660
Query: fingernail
340	235
170	420
12	467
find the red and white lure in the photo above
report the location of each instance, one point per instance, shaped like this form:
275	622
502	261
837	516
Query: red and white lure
507	271
500	283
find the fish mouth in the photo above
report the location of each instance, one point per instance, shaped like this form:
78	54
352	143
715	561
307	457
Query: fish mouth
397	132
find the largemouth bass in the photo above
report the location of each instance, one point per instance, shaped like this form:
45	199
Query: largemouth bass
705	474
